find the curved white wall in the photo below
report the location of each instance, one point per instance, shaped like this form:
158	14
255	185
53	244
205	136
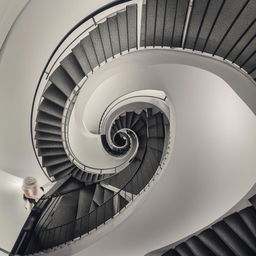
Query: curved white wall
30	43
213	162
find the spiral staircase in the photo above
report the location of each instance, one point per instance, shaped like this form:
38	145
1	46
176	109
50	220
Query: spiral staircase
136	131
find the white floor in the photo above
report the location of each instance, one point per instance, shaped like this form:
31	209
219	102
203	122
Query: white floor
12	213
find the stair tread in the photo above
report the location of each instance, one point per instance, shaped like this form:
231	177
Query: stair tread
73	68
198	247
48	128
53	160
52	170
47	136
63	81
236	223
97	42
48	144
51	151
82	59
51	108
48	119
132	25
105	37
123	30
232	239
53	94
90	52
215	243
114	35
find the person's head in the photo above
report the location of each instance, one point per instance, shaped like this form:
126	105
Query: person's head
29	183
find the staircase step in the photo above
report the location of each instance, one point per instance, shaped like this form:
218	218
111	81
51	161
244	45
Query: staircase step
73	68
123	30
253	200
93	206
150	22
123	121
214	243
114	128
52	170
53	94
156	131
184	250
198	247
53	160
41	127
156	143
114	35
82	59
236	223
48	144
85	200
51	151
90	52
118	124
63	81
64	173
105	36
89	178
97	43
62	215
249	217
232	239
143	26
129	117
96	177
171	253
136	118
160	19
108	194
139	125
98	195
78	174
132	25
51	108
48	119
47	136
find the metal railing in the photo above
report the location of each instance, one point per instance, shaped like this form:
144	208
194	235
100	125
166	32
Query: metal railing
52	62
51	237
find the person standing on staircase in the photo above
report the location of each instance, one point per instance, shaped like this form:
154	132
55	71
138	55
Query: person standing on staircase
31	192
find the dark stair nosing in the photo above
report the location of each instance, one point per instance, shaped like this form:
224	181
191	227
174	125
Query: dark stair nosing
63	81
48	144
51	151
52	170
73	68
48	119
51	108
53	94
54	160
41	127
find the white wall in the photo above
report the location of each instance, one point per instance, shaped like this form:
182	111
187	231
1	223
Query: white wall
9	11
213	162
30	43
12	213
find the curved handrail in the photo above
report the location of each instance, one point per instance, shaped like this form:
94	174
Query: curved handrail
116	194
90	16
67	147
84	222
